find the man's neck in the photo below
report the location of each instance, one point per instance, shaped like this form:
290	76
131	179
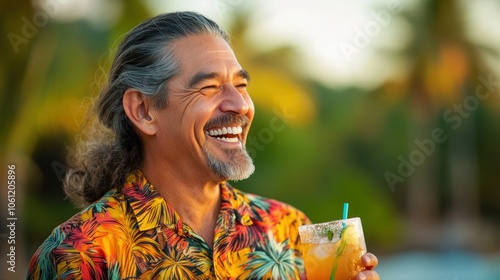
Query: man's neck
196	202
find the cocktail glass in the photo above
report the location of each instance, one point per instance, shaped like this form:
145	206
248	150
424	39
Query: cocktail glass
333	250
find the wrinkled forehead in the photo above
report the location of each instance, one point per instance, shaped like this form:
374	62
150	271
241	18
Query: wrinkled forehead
204	53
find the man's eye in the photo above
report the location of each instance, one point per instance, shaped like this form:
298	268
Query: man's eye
209	89
242	87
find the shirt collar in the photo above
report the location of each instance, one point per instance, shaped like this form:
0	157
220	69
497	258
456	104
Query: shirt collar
149	207
237	204
152	211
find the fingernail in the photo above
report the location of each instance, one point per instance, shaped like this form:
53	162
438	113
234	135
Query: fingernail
362	276
367	259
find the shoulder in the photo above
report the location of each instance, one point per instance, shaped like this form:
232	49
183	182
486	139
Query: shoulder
111	206
65	242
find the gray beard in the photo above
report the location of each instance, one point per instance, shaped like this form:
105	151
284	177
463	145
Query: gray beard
239	165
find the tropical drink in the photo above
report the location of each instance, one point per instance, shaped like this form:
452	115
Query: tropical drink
333	250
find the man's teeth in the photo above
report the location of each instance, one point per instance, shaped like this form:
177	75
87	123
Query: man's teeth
226	131
229	139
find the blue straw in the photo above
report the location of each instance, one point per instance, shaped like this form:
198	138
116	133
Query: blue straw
346	209
344	213
342	245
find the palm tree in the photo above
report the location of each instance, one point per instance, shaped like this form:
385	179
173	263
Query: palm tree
443	193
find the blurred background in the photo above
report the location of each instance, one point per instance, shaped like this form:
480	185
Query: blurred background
392	106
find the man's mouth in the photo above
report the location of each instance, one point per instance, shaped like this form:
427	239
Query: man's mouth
231	134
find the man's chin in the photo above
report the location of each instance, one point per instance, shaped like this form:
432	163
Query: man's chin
242	174
237	166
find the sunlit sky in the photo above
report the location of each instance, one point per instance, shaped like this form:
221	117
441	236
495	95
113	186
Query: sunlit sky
318	28
338	39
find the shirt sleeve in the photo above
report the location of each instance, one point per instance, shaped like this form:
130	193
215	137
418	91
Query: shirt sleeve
42	266
66	262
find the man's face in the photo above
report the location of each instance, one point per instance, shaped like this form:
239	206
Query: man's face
209	111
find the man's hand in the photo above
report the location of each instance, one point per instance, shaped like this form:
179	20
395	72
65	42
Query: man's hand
369	261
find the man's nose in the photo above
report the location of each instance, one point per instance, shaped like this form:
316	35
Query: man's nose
234	101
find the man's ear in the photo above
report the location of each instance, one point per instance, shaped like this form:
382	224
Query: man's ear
137	107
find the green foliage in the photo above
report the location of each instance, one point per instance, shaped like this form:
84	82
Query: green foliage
335	149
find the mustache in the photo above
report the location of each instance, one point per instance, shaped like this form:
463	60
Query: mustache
227	120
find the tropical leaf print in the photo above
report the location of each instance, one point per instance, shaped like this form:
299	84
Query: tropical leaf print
135	234
176	266
41	265
274	261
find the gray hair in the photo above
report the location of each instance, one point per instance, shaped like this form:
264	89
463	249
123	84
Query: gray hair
143	61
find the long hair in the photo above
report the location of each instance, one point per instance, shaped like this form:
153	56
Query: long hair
143	61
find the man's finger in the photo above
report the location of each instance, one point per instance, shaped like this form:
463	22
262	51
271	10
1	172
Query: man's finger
368	275
369	261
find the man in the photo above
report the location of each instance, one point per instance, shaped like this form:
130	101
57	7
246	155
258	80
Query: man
174	119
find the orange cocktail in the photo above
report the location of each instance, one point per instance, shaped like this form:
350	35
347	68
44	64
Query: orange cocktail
333	250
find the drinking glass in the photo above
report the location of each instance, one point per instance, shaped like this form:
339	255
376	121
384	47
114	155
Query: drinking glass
333	250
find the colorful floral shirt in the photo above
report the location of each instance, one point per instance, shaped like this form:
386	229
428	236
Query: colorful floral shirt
135	234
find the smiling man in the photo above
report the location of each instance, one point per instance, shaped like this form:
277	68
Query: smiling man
170	132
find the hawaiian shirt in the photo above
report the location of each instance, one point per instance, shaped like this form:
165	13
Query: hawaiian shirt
135	234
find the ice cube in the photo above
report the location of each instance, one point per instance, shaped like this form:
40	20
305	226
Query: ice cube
321	251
